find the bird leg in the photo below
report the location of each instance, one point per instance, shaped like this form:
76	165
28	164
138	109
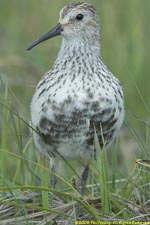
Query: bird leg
84	179
53	179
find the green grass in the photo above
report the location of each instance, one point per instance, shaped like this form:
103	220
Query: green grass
113	195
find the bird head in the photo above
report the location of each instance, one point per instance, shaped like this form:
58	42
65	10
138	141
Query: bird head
77	21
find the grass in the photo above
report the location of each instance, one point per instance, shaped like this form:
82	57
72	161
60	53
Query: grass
25	193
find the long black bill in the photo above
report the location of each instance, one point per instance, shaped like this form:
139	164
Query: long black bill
52	33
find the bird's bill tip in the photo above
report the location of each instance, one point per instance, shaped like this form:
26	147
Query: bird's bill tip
52	33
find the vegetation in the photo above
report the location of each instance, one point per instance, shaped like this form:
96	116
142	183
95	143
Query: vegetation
122	190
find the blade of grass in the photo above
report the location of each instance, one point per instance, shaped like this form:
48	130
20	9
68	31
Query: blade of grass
114	163
4	136
45	182
102	166
140	94
141	144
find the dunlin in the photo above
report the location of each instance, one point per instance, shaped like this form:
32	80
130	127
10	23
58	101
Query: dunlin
78	95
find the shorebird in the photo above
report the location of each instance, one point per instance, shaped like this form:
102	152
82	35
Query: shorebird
79	95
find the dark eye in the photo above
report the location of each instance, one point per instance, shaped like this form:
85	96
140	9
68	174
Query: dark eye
79	17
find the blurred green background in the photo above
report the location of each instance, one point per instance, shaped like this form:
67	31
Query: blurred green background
125	46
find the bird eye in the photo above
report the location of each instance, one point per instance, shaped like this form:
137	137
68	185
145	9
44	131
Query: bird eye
79	17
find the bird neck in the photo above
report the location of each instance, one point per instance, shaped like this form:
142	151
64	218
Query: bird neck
78	47
78	57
